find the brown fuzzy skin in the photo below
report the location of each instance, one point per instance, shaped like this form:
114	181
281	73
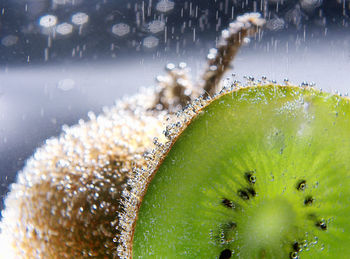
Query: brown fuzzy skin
65	201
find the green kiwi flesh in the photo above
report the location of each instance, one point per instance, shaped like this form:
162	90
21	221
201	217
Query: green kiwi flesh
260	172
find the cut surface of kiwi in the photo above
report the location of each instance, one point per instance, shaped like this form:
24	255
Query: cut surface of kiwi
259	172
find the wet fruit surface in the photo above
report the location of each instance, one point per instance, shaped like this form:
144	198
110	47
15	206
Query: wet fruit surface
261	172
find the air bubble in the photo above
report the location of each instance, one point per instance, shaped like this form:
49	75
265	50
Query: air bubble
80	18
301	185
48	21
66	84
120	29
310	5
65	2
9	40
64	28
213	68
246	41
170	66
252	179
94	207
211	56
294	255
275	24
150	42
165	6
182	65
156	26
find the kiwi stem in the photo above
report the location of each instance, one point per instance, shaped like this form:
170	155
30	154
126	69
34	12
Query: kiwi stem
176	89
231	40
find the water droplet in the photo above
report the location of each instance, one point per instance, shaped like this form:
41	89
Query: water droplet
66	84
170	66
213	68
301	185
48	21
66	2
80	18
294	255
120	29
64	28
156	26
275	24
165	6
150	42
310	5
9	40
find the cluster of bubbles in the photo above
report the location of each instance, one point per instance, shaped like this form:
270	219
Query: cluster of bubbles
49	24
158	25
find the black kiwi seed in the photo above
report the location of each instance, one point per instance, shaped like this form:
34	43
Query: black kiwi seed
251	191
247	193
322	224
227	203
243	194
309	201
297	247
301	185
251	178
225	254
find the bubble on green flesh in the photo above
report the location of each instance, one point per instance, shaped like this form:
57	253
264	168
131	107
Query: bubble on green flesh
261	172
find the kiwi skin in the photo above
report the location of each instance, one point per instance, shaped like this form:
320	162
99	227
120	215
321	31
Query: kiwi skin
64	202
326	219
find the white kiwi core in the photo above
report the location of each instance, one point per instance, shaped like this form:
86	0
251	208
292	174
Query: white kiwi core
267	223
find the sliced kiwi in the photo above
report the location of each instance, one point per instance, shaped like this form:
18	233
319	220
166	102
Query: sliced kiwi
259	172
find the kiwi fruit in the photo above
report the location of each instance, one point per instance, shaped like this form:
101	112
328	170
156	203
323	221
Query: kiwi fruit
255	172
66	200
